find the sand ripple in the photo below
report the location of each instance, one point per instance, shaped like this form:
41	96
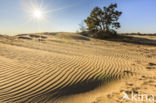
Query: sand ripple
38	72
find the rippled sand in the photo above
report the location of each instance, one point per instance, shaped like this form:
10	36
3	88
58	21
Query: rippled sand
59	66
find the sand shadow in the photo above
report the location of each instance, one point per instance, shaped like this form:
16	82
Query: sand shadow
77	88
34	36
81	38
70	89
44	37
53	34
152	64
82	86
133	40
27	38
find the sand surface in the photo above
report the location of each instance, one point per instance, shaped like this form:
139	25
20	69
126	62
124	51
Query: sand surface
69	68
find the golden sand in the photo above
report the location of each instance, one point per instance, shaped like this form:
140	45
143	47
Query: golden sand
66	65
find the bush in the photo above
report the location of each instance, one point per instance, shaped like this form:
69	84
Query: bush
103	19
105	34
102	23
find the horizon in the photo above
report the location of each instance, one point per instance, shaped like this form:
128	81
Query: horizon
65	16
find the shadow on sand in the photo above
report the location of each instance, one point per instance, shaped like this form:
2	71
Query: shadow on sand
133	40
81	38
77	88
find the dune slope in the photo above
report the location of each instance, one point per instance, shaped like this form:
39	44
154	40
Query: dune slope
39	69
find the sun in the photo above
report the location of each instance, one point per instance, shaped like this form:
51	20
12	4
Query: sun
38	14
37	11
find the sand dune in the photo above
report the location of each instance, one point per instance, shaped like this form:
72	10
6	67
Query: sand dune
40	69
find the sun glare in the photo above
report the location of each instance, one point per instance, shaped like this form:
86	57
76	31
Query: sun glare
37	11
37	14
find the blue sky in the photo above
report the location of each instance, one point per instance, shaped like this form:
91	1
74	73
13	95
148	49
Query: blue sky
66	15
